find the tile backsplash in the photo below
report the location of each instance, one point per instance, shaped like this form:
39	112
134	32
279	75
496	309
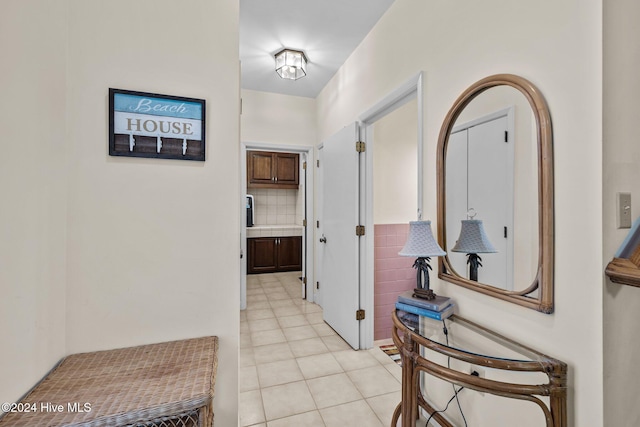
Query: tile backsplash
393	274
278	206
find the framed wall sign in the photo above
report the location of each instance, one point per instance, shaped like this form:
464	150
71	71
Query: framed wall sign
159	126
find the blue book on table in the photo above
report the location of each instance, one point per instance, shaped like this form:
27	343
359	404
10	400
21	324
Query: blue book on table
439	303
437	315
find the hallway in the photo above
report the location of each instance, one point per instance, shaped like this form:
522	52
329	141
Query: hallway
296	371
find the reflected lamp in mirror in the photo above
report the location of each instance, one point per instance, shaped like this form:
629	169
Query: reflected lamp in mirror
422	245
473	241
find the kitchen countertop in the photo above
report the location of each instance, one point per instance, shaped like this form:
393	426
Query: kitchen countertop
275	230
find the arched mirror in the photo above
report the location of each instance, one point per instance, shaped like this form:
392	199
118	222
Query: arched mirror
495	192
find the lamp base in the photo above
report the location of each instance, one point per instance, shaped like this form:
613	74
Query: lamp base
427	294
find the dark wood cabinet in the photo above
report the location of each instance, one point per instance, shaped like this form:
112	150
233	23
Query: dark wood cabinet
274	254
267	169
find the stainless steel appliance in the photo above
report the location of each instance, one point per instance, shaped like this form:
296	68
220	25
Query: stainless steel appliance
250	210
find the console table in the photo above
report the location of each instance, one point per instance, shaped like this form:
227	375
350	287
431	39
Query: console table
417	338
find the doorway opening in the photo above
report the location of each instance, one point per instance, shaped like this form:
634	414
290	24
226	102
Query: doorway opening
355	291
281	218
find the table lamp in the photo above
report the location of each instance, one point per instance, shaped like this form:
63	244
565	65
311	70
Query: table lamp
473	240
422	245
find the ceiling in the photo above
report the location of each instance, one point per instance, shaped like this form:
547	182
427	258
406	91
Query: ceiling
327	31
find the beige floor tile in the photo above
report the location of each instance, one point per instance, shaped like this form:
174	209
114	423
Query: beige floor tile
314	318
267	337
247	357
248	379
258	305
299	333
276	373
308	347
259	314
324	330
255	290
356	413
319	365
351	360
251	408
272	353
309	307
333	390
280	303
308	419
277	295
267	278
290	310
245	341
395	370
271	288
244	327
263	324
286	400
384	405
374	381
381	356
252	299
291	321
335	343
243	315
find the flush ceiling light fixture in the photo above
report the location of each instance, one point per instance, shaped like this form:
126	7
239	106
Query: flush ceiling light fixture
291	64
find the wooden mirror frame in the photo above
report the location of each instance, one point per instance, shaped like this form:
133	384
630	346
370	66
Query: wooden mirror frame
543	281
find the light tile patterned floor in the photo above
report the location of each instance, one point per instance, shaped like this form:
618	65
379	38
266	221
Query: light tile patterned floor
296	371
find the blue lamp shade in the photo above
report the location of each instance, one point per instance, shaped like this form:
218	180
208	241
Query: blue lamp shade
473	239
420	242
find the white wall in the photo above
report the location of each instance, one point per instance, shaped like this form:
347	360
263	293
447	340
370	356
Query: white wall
278	119
100	252
153	245
395	151
32	192
556	45
621	174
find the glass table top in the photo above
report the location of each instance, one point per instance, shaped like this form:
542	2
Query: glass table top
462	335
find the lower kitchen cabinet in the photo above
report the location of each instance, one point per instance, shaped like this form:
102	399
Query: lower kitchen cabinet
274	254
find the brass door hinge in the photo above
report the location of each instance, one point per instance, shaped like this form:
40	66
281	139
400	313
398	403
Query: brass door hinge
359	230
360	315
304	280
304	165
304	222
360	147
318	163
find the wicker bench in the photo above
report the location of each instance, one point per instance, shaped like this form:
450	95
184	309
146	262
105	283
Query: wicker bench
164	385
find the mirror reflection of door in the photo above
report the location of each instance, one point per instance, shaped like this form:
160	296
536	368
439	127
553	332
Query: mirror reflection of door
480	160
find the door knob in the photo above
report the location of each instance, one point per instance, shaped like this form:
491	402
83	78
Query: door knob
323	239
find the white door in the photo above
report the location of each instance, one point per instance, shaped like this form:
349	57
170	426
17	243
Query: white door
456	191
490	196
340	285
479	170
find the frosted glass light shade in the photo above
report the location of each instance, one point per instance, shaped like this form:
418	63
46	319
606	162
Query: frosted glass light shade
473	239
420	242
291	64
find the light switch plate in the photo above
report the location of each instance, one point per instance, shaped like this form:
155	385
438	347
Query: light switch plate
623	208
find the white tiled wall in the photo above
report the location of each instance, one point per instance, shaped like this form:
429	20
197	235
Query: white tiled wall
277	206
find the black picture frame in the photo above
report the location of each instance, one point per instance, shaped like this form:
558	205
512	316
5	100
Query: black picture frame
153	125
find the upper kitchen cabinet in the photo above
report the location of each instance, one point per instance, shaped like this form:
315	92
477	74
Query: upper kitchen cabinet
272	170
